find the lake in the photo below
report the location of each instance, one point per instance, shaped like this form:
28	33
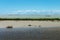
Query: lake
30	33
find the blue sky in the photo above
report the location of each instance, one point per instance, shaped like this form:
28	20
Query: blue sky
12	6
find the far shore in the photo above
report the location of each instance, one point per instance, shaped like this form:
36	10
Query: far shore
32	19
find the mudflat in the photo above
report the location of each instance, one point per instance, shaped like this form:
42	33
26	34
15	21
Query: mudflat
21	23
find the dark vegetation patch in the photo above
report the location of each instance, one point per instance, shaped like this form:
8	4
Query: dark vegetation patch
32	19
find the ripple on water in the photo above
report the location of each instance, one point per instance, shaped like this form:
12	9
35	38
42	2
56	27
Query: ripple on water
29	34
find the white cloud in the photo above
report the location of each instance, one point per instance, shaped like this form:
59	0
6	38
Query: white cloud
35	11
28	11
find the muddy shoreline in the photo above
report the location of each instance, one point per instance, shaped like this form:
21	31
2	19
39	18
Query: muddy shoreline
25	23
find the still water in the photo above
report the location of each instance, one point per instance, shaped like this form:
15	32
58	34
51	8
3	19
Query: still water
29	34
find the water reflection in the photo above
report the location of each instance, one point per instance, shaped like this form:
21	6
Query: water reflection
29	34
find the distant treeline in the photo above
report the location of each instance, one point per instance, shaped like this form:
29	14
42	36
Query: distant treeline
39	19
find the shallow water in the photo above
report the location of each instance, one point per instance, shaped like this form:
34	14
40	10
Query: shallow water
29	34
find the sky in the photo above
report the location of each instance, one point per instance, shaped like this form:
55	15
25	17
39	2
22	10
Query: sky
28	6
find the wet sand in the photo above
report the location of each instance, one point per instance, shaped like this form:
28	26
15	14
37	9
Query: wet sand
20	23
30	34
